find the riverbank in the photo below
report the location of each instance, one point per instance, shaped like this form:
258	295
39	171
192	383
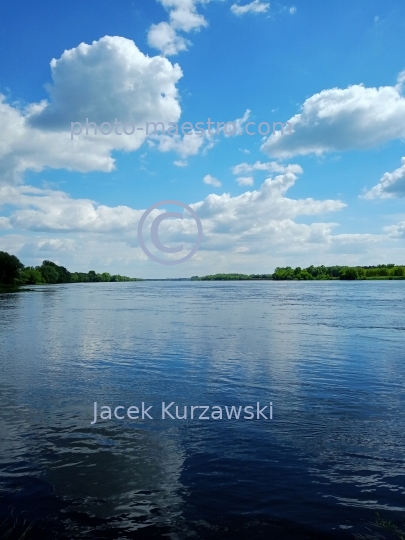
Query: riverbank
249	278
382	271
11	289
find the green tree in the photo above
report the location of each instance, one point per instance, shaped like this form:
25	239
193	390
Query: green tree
10	268
64	276
30	276
49	273
333	271
348	273
312	270
305	275
371	272
284	273
398	271
92	275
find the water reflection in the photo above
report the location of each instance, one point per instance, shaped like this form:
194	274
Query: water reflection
329	356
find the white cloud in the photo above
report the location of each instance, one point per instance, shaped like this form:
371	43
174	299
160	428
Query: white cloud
23	147
210	180
400	80
4	223
183	14
164	37
259	226
293	10
338	120
180	163
111	78
254	7
255	230
391	185
183	17
49	210
396	231
106	80
186	145
245	180
269	167
260	204
236	129
194	142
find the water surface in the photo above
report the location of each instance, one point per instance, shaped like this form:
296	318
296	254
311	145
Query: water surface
328	355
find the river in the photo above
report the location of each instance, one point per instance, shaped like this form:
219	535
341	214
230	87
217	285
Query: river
328	356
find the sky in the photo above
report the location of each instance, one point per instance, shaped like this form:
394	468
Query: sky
323	182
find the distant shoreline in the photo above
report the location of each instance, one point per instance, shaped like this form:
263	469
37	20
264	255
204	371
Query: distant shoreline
209	278
316	273
14	275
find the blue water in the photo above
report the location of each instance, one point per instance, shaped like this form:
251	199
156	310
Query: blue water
328	355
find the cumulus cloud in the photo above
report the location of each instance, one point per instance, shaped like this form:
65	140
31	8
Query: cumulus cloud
50	210
391	185
211	181
255	228
4	223
236	125
183	14
293	10
195	142
396	231
108	79
261	225
263	205
23	147
111	81
336	120
183	17
254	7
269	167
111	78
39	209
185	146
164	37
245	180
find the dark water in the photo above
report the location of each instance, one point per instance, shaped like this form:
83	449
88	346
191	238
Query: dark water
328	355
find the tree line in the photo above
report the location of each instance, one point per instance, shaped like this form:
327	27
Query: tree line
14	273
382	271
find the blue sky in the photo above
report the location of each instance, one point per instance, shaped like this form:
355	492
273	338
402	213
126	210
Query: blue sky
331	192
